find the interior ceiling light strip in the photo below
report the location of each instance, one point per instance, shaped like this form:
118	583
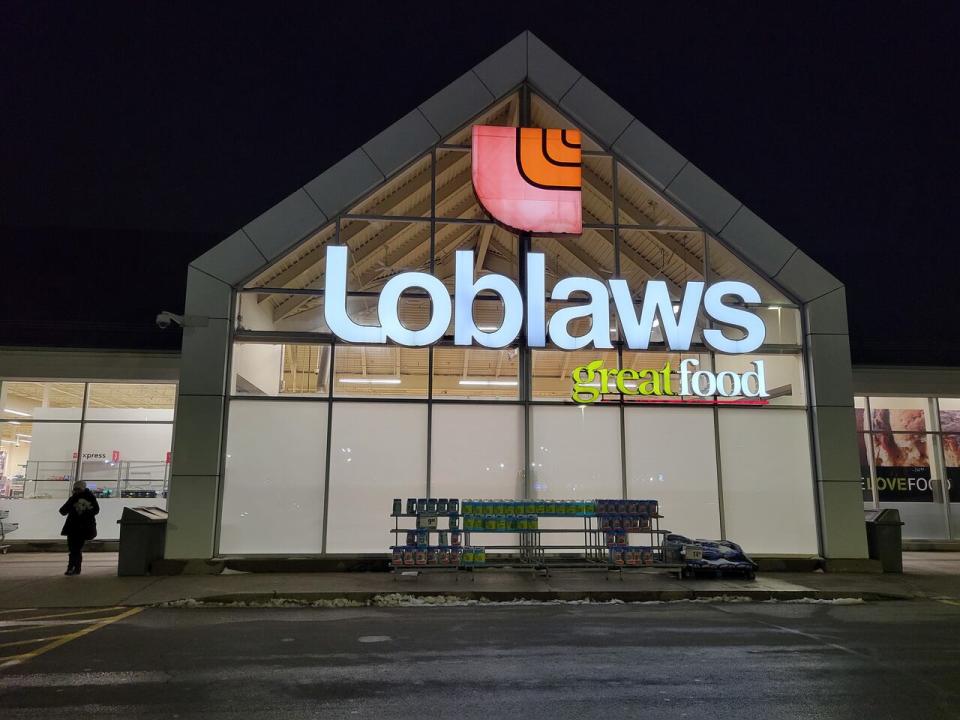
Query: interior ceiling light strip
371	381
501	383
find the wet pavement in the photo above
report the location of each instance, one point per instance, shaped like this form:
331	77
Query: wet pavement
891	659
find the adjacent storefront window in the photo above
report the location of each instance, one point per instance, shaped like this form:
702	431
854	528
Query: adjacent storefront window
910	460
114	436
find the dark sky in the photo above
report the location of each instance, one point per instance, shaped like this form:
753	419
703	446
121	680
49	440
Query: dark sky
135	136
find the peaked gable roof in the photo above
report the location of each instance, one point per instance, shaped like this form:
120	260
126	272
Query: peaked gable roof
525	59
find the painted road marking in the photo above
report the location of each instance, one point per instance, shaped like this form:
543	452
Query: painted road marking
948	601
12	626
63	640
72	613
31	640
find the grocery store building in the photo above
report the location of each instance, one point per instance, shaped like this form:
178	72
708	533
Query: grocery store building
293	437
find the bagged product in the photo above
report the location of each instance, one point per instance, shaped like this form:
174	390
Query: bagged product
455	538
421	505
466	557
453	505
409	555
432	558
479	555
397	506
441	506
397	556
411	506
616	556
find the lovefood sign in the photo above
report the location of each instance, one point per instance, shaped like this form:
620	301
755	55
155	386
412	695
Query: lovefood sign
529	179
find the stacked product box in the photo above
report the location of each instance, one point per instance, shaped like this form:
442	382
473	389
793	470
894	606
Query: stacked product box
420	550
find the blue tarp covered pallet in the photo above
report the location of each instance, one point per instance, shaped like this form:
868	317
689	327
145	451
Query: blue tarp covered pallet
719	558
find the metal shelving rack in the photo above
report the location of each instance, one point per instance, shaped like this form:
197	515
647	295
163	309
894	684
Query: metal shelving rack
532	555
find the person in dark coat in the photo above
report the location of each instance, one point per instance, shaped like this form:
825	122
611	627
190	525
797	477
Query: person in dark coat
81	524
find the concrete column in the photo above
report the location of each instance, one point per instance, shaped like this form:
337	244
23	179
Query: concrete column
835	440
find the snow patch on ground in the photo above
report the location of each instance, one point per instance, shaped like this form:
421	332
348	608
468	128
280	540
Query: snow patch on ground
405	600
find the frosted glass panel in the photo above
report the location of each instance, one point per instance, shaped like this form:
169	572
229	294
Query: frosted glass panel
378	452
273	483
671	457
575	452
477	451
768	492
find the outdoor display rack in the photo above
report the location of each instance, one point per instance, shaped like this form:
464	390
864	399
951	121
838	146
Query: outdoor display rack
447	535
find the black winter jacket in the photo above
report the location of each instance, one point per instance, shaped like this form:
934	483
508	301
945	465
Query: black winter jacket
81	510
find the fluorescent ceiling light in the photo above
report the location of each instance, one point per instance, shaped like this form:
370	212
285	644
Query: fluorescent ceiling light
773	307
488	328
21	435
16	412
9	442
371	381
501	383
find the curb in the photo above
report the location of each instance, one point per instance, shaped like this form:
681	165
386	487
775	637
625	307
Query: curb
501	596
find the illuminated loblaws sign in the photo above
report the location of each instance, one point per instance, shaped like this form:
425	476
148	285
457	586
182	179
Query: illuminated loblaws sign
592	381
722	302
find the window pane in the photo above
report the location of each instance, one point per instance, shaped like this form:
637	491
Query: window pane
379	250
900	414
782	374
475	373
301	267
126	460
455	195
478	453
639	204
597	190
724	265
768	492
46	461
378	452
575	452
951	452
903	466
865	447
41	400
950	414
380	371
506	112
406	194
280	369
131	401
277	312
274	477
543	115
671	457
552	371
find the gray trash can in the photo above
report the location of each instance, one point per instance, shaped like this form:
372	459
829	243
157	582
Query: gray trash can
143	534
884	538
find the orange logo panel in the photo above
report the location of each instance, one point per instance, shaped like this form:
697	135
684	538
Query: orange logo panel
529	178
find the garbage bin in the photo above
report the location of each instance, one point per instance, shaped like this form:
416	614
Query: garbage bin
143	534
884	538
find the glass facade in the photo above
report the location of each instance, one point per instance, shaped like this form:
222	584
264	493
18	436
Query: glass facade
114	436
459	421
910	460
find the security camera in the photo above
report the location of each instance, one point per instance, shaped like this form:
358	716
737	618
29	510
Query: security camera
166	318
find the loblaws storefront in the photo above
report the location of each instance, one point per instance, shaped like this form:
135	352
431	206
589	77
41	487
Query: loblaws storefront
515	291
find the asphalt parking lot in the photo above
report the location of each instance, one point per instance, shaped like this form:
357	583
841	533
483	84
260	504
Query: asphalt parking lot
670	660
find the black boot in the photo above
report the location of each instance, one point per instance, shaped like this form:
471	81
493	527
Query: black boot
70	570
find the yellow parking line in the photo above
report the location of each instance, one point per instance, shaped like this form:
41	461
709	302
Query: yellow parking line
31	640
14	626
7	612
948	602
88	611
19	659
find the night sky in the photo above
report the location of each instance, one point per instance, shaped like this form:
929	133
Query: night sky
134	136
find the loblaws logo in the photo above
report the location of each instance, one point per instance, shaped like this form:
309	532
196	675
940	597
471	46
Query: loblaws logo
593	380
529	178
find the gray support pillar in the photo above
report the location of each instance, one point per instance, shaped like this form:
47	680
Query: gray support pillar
839	492
195	482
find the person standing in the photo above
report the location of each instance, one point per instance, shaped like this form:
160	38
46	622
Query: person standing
81	523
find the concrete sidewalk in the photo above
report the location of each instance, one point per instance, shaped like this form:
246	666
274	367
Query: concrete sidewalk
35	580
